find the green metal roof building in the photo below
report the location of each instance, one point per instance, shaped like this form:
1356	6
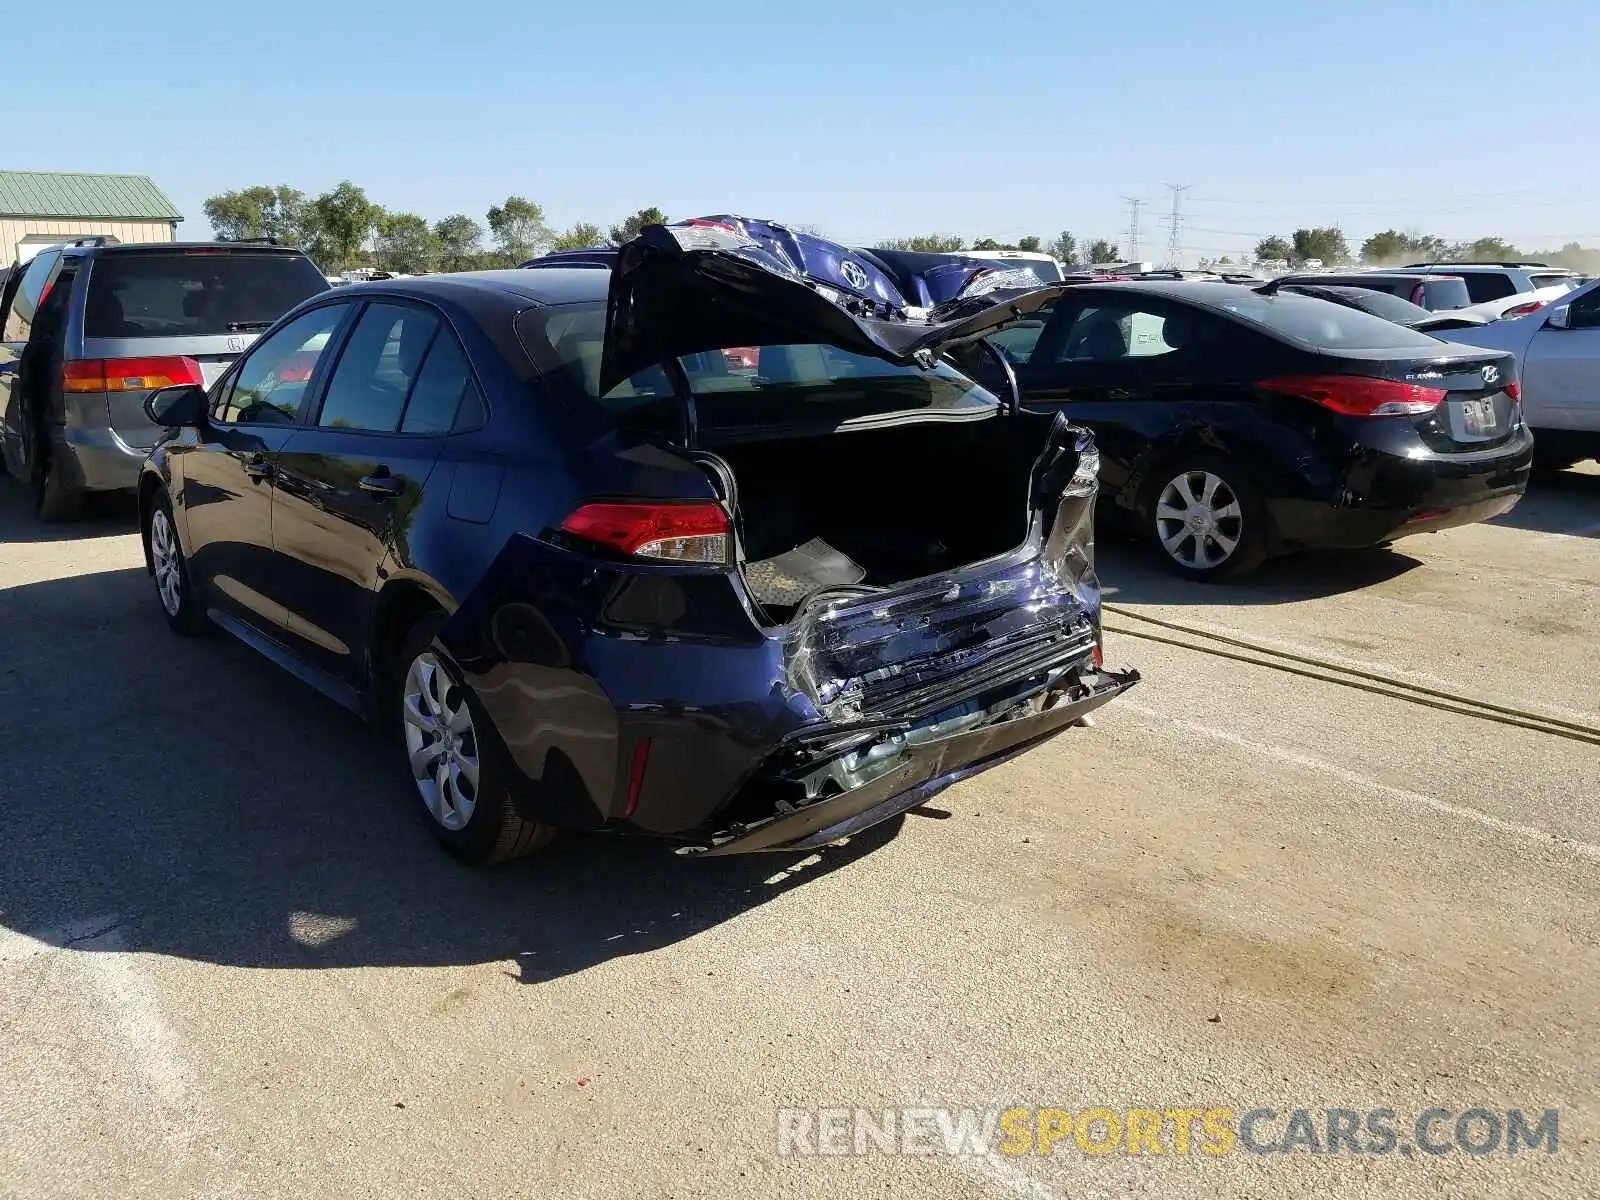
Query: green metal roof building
41	208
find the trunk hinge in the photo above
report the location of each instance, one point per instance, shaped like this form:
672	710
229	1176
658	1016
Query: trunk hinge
689	423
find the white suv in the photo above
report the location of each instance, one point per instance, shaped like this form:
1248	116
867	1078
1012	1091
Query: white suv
1495	281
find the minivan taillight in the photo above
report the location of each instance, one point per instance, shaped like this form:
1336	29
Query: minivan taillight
684	531
129	374
1359	395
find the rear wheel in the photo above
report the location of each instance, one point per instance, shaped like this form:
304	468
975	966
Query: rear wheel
55	499
457	765
1208	520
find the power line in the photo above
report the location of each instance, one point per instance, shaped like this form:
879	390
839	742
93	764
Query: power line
1175	226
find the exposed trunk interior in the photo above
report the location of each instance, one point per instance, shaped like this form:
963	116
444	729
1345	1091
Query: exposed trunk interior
876	508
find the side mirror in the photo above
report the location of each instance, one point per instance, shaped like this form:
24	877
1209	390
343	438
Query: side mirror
175	407
1560	317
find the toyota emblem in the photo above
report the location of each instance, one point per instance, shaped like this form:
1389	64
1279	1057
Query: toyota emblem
854	274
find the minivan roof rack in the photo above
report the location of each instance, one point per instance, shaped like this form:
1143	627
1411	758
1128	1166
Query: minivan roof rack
98	239
1478	262
255	241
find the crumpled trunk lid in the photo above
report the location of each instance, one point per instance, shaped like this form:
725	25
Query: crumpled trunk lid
684	289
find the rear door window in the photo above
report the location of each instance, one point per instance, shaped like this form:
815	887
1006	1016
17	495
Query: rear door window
194	293
379	364
1484	286
271	385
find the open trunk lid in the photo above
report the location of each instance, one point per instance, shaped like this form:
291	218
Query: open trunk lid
680	290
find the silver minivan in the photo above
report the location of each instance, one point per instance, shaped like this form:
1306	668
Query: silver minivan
88	329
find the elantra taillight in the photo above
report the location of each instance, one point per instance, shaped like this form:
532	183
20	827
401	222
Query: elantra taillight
1359	395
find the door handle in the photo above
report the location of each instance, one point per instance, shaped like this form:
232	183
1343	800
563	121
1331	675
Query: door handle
257	467
380	483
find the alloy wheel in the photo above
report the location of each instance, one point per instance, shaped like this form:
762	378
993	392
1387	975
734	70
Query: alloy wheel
1199	520
165	561
441	743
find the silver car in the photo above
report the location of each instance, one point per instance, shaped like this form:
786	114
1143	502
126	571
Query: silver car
1558	348
89	329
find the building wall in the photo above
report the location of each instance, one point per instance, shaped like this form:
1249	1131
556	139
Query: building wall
13	230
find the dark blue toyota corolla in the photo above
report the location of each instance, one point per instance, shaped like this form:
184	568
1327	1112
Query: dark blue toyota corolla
590	575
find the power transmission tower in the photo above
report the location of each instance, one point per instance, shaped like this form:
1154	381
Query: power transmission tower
1175	227
1134	204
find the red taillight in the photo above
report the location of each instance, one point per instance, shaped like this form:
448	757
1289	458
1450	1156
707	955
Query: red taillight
1418	292
1359	395
692	532
1523	310
128	374
1099	656
1514	390
641	756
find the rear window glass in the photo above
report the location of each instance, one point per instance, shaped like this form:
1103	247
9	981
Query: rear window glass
1544	281
1484	286
1318	323
194	294
742	385
1381	304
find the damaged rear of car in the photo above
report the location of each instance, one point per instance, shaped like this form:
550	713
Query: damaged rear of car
812	596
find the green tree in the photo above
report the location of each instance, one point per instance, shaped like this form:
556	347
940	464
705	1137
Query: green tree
629	229
460	239
1389	246
1065	248
1102	250
344	220
989	244
928	243
519	228
1030	243
580	237
405	244
1325	242
1492	249
275	212
1272	248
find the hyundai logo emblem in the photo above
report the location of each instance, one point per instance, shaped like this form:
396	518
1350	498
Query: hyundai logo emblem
1491	374
854	274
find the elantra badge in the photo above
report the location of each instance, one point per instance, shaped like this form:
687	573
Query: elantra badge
1491	374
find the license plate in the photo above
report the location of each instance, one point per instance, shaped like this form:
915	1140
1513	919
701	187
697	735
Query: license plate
1473	420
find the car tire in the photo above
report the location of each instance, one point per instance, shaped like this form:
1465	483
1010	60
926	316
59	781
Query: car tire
444	738
180	601
1207	519
55	499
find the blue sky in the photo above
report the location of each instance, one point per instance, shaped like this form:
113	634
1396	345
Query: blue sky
868	120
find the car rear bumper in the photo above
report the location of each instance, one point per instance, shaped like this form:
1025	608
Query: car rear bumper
96	459
922	772
1386	496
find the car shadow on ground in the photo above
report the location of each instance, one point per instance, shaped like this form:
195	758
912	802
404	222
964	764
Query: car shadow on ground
1133	574
207	806
1559	502
105	514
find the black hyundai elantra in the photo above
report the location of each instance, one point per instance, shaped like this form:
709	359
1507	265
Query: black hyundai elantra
589	575
1235	423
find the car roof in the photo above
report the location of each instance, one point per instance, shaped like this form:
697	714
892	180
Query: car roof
243	247
546	286
1395	275
1483	266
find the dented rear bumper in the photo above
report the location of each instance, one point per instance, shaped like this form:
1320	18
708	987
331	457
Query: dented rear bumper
910	769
